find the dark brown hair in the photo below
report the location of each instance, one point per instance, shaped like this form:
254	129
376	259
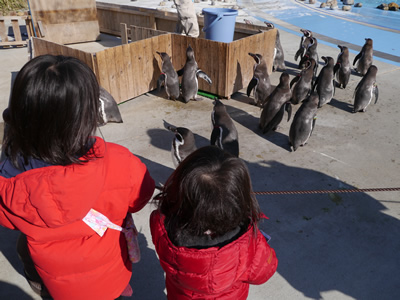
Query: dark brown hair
53	111
209	191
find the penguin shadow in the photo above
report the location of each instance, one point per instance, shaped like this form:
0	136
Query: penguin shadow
243	98
238	83
10	291
158	172
325	241
147	275
291	65
347	107
156	74
160	138
251	122
291	68
200	141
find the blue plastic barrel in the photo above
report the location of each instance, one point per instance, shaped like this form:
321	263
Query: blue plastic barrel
219	24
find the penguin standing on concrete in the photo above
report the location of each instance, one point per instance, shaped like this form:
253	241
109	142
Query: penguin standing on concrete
108	109
364	58
325	83
342	68
168	77
224	134
311	52
279	57
183	144
304	121
305	41
190	74
365	90
276	104
260	81
303	83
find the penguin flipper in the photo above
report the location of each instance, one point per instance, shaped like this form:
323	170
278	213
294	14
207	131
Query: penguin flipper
357	58
298	53
253	82
180	72
336	68
160	81
315	84
214	136
204	76
294	80
288	108
376	93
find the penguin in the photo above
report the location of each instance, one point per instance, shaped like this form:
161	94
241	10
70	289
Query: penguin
183	144
276	104
224	134
279	57
169	77
190	74
365	90
260	81
108	109
305	41
365	57
303	83
342	68
304	122
325	83
311	52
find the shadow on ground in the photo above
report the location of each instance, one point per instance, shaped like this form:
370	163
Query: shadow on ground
324	242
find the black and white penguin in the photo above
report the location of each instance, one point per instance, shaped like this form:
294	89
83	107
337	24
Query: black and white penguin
260	81
364	58
366	90
279	57
108	108
168	77
190	74
305	41
325	83
304	122
224	134
342	68
183	144
311	52
276	104
301	84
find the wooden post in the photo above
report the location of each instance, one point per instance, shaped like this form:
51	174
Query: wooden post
124	33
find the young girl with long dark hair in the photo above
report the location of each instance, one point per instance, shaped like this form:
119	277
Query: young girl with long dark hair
205	229
59	183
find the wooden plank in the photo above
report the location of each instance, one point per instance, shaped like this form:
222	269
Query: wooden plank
66	21
129	72
102	70
124	33
3	31
42	46
17	31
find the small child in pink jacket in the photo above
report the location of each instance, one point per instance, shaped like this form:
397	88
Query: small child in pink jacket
205	229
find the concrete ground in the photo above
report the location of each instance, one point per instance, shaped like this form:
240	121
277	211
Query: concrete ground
329	245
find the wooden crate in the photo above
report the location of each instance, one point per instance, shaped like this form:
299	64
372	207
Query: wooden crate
129	70
125	71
